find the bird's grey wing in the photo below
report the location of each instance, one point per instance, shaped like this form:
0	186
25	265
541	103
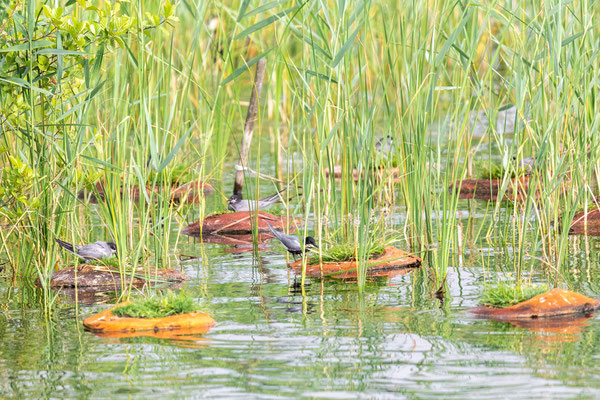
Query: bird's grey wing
291	242
242	205
95	250
267	201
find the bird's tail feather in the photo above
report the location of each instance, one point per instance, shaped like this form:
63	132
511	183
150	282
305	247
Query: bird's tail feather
273	198
65	245
69	247
274	231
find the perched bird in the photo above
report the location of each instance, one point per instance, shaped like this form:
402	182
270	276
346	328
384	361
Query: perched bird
292	243
93	251
236	203
526	165
385	145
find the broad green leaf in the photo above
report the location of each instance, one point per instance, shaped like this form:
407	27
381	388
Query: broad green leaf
265	7
25	46
340	54
571	38
100	162
265	22
25	84
452	38
173	152
62	52
243	9
240	70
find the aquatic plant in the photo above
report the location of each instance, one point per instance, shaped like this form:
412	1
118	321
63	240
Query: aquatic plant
342	251
157	306
505	294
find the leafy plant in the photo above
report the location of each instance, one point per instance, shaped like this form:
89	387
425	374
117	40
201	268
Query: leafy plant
343	251
178	174
157	307
507	294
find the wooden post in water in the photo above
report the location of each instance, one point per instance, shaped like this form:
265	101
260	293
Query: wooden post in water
249	126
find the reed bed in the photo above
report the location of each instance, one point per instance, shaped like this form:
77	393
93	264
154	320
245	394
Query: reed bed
451	82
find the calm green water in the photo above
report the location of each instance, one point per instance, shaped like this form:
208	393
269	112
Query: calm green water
270	342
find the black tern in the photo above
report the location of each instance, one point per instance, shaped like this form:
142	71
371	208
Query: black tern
89	252
292	243
236	203
385	145
526	165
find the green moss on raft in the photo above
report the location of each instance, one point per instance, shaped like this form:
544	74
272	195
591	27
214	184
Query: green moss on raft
157	307
506	294
340	252
112	262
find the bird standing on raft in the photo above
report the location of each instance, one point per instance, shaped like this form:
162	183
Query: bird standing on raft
236	203
93	251
292	243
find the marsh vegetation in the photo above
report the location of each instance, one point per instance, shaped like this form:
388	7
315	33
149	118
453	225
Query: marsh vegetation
125	101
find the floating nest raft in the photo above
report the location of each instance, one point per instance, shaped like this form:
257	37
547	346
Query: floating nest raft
241	243
381	173
108	324
191	193
103	277
488	189
188	193
586	223
556	303
238	223
392	262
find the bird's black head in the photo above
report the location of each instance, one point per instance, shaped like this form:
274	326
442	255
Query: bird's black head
235	198
113	247
309	242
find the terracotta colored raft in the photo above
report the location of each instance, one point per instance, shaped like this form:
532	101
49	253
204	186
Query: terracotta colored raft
557	303
488	189
191	193
586	223
395	173
188	193
106	322
238	223
392	262
100	276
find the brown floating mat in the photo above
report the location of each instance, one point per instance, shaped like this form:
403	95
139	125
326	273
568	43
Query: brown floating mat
392	262
238	223
186	193
555	303
381	173
190	193
100	276
586	223
106	322
488	189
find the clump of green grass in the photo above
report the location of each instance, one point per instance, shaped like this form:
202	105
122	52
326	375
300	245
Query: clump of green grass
491	171
157	307
507	294
343	251
488	170
180	174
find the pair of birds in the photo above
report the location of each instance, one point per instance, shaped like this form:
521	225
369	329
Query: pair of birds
100	250
290	242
